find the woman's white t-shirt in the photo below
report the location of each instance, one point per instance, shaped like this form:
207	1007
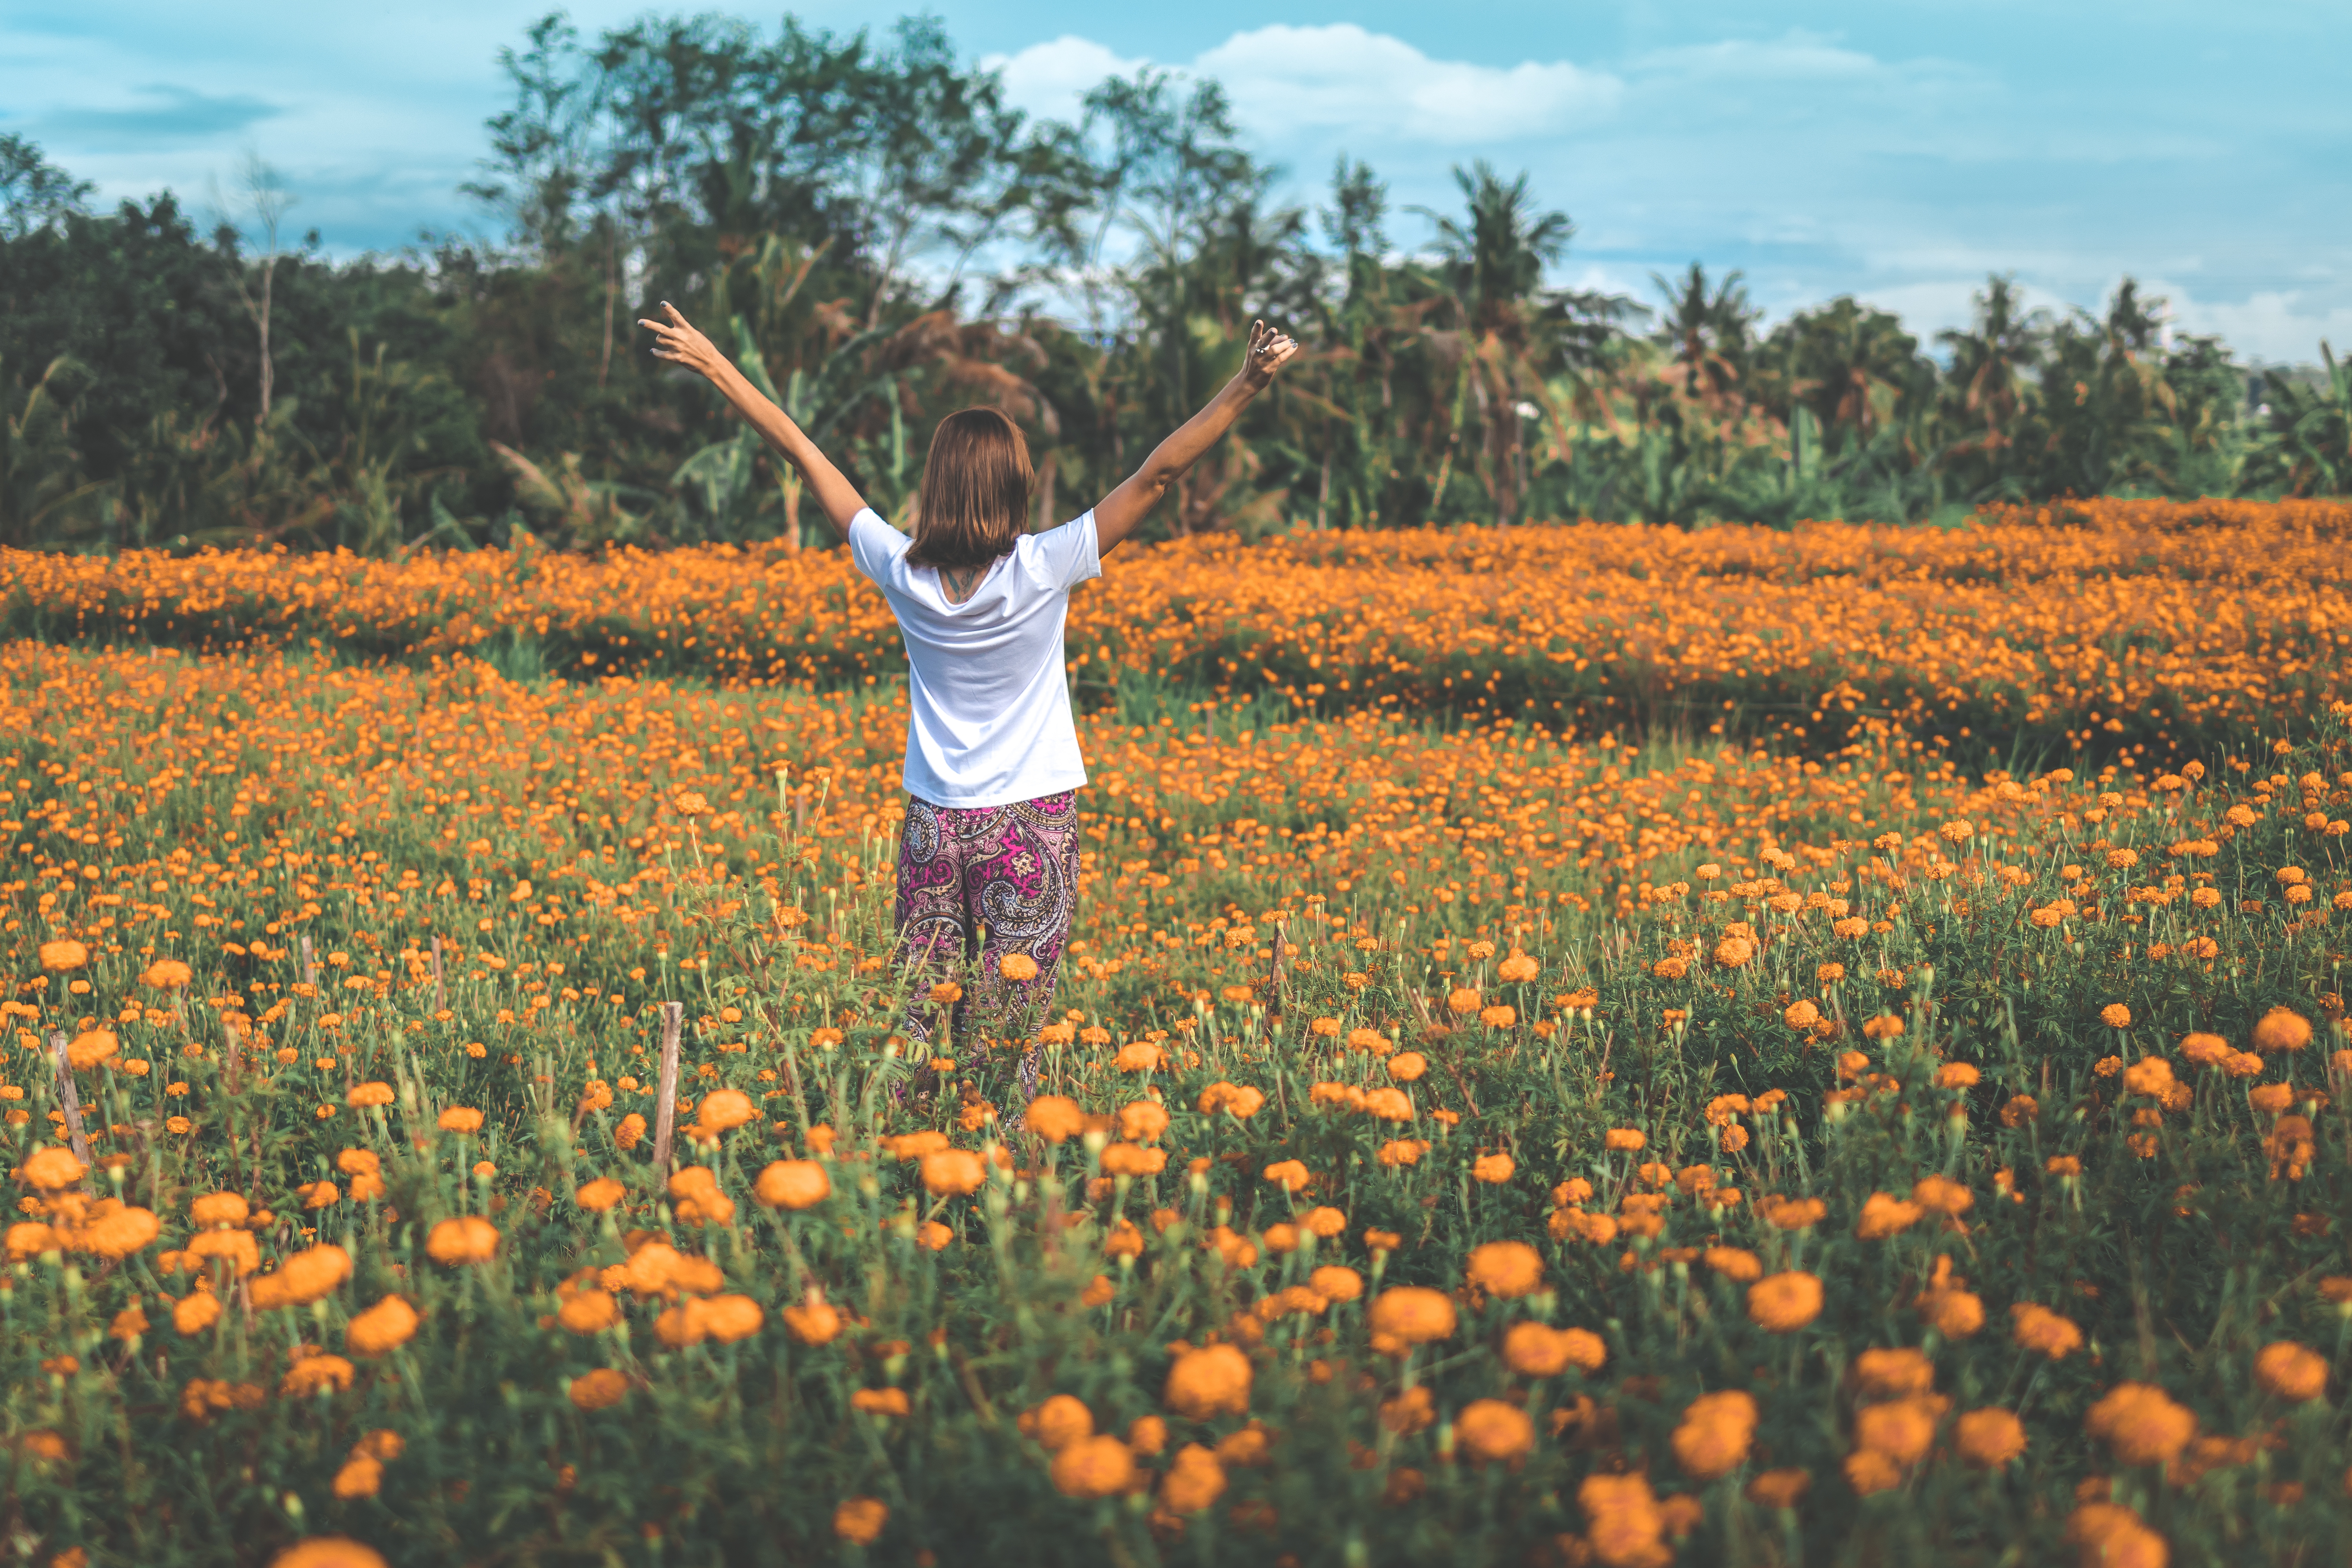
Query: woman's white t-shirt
989	710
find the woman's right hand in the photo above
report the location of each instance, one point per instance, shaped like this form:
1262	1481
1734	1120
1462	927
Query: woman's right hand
1269	351
681	342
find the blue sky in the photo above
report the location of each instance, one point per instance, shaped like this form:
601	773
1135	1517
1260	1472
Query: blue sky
1897	151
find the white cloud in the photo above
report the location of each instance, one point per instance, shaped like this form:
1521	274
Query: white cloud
1050	80
1339	83
2273	326
1798	56
1342	81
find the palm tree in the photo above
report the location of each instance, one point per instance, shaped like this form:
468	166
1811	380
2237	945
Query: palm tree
1709	331
1994	360
1510	337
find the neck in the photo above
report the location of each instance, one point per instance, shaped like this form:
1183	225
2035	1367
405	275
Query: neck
960	582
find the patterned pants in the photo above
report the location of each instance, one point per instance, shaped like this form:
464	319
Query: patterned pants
976	887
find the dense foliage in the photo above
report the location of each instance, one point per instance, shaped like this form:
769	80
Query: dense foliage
1475	1143
877	236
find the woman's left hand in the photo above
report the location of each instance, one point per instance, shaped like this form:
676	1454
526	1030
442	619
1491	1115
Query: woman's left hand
1269	351
678	341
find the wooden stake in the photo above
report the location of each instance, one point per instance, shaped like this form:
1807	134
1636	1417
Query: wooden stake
673	1015
440	996
309	969
69	1096
229	1063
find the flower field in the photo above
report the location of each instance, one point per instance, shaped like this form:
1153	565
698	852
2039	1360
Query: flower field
2108	626
1477	1141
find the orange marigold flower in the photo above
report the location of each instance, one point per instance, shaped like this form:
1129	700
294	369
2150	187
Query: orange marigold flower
2290	1371
1094	1468
1506	1268
1893	1374
2141	1423
1901	1429
317	1373
1493	1431
2115	1016
723	1109
1791	1214
1989	1439
600	1389
1412	1314
65	953
1941	1194
1779	1488
1715	1433
369	1094
389	1324
1627	1139
53	1170
328	1551
1494	1169
589	1312
1734	1263
793	1184
2281	1029
859	1519
460	1119
953	1173
2037	1327
1336	1282
1626	1526
1883	1214
600	1195
1017	967
1782	1303
1213	1380
1055	1118
1194	1482
469	1238
167	975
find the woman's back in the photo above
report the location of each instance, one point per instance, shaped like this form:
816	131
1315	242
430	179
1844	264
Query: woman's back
989	707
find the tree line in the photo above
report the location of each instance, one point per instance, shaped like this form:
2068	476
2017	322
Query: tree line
879	237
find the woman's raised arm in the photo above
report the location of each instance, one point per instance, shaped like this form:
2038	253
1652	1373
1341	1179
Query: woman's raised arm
1120	513
678	341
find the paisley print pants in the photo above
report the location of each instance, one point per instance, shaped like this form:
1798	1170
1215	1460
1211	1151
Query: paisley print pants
976	887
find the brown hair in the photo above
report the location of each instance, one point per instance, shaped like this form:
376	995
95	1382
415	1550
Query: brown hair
975	490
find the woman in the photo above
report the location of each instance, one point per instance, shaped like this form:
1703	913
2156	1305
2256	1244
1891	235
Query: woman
988	860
